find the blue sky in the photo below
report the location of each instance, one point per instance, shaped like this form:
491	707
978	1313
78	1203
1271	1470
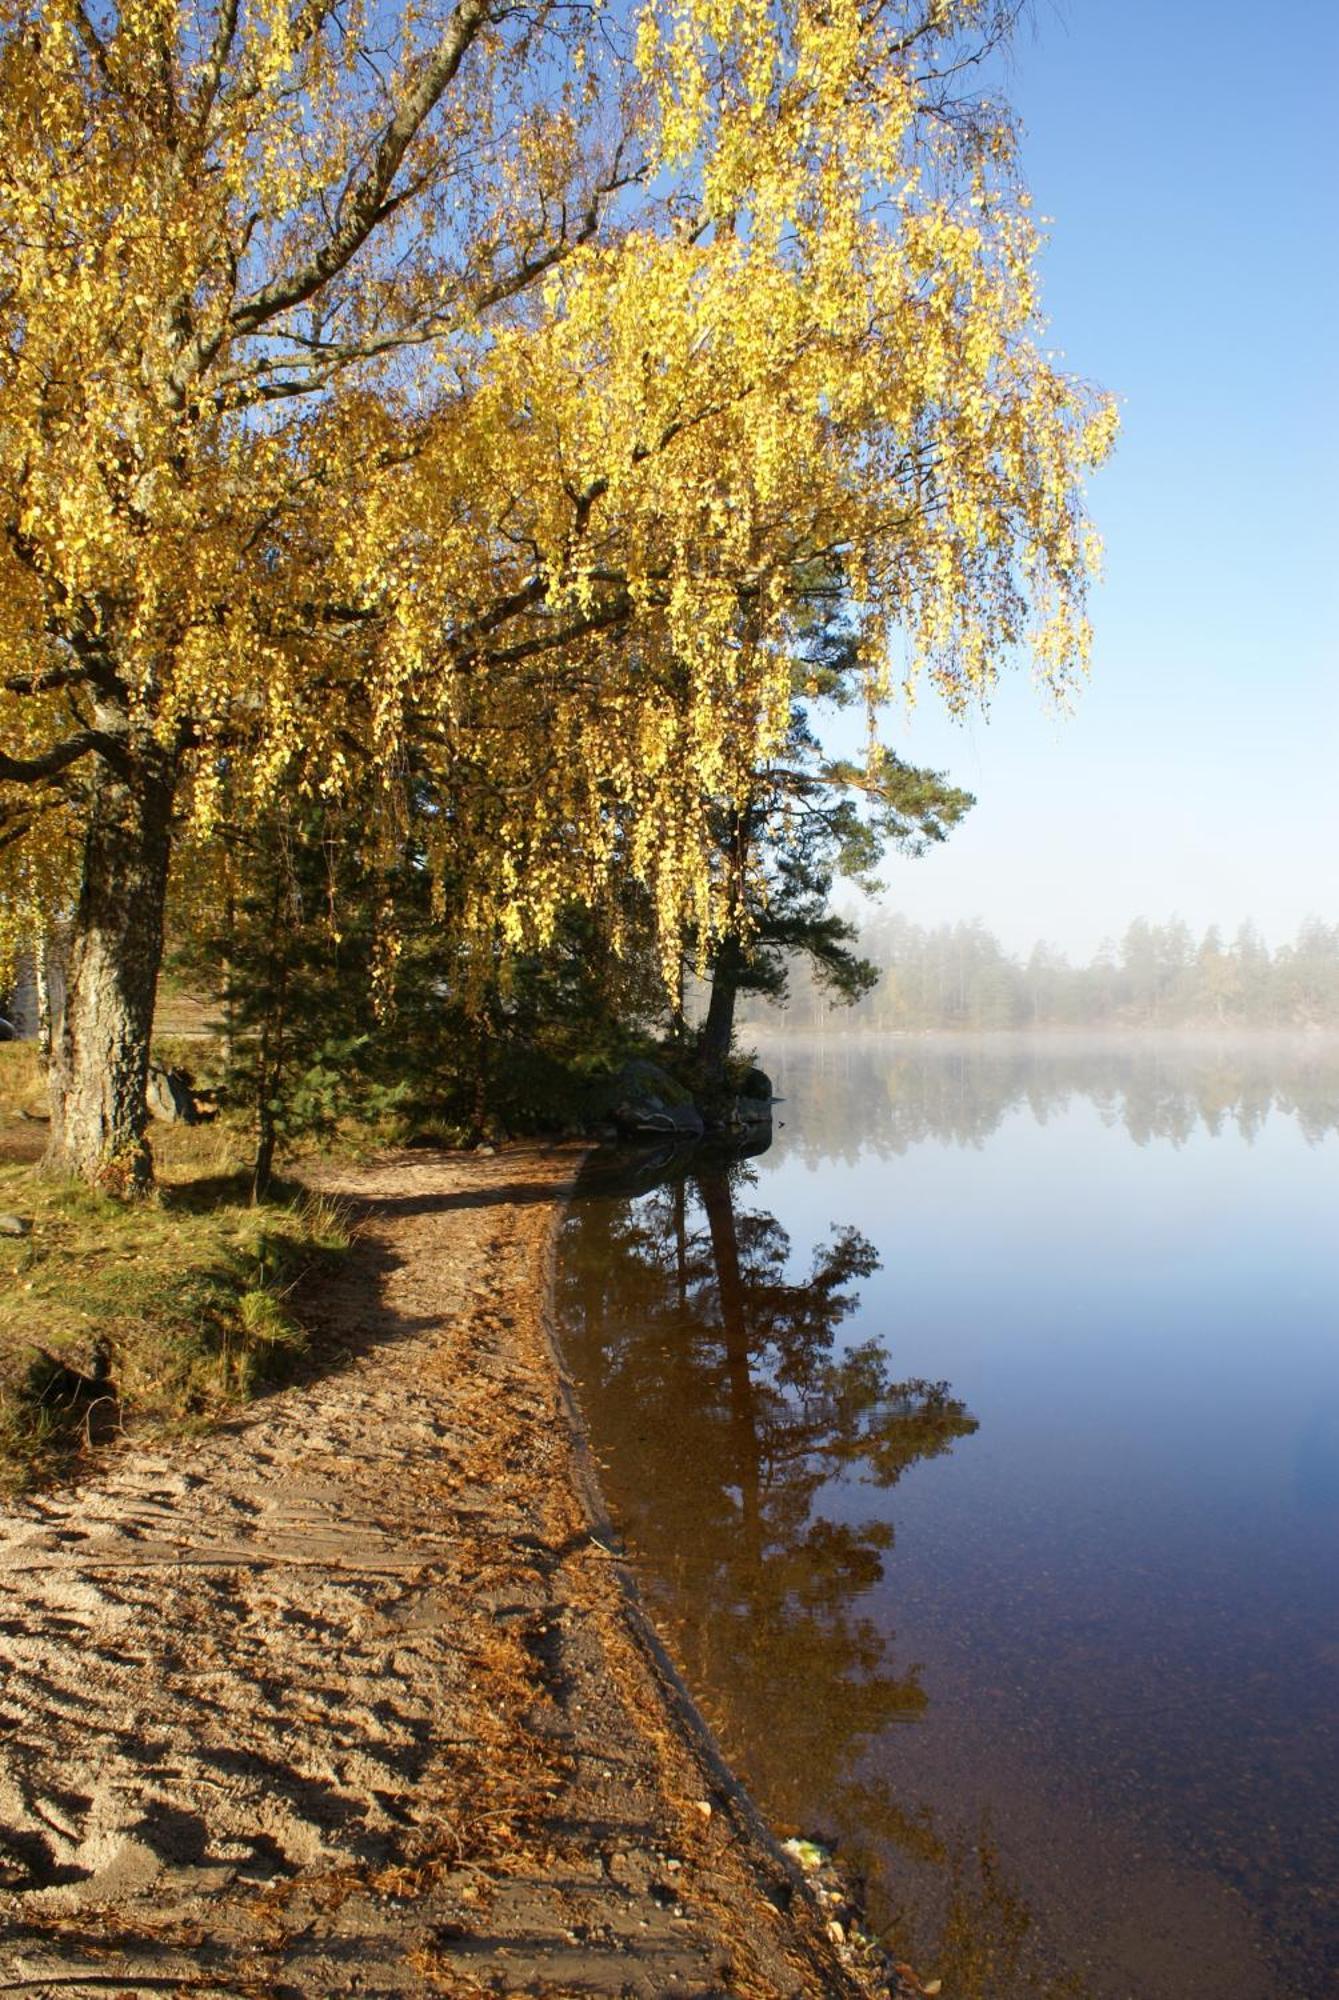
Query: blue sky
1184	155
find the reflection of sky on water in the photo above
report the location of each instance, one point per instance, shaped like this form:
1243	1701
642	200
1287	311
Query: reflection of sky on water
1149	1335
1317	1462
1177	1309
1122	1593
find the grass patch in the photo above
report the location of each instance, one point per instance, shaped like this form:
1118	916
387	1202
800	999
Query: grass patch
167	1313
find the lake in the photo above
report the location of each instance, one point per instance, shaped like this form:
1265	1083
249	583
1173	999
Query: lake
977	1445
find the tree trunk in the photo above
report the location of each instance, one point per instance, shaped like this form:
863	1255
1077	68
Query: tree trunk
272	1052
42	987
262	1176
100	1047
719	1027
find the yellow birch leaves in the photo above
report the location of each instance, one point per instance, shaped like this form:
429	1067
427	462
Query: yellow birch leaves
474	388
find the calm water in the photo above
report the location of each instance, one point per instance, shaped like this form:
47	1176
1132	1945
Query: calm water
979	1448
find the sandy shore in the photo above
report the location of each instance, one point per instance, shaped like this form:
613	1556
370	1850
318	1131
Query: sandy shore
350	1697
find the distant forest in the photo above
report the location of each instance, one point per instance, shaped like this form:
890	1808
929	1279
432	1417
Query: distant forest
1156	976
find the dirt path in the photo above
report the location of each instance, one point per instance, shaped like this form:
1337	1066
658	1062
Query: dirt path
348	1698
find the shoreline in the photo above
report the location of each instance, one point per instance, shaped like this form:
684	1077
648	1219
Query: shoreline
350	1694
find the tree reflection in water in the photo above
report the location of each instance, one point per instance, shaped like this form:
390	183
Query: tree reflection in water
855	1096
735	1433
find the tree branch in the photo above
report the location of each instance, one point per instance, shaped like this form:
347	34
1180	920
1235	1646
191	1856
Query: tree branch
224	35
94	46
52	680
241	388
369	202
34	770
615	613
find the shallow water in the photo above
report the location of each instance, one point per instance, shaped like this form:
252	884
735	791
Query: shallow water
979	1447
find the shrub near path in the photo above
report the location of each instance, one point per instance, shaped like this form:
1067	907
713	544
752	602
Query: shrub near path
348	1696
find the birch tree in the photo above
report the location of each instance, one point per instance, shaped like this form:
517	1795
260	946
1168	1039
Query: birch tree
384	383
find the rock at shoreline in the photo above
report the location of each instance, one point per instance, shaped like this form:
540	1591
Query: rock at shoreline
752	1104
651	1104
745	1117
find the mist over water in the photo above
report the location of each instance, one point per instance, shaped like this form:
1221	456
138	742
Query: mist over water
979	1444
847	1095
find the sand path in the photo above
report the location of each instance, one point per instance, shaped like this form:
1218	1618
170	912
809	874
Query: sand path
348	1697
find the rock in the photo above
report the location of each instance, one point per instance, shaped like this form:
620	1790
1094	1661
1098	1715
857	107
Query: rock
642	1078
743	1115
168	1096
752	1103
650	1104
643	1118
808	1853
64	1381
15	1225
649	1120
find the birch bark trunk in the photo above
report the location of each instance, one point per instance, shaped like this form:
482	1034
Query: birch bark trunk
100	1045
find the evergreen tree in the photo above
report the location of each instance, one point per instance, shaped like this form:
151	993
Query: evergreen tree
809	818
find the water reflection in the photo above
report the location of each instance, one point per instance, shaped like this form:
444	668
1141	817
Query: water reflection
961	1088
737	1436
1107	1626
712	1377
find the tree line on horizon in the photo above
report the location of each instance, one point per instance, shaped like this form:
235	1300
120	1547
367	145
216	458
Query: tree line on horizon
959	976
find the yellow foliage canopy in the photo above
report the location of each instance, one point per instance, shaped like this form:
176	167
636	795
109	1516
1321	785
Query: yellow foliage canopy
477	385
